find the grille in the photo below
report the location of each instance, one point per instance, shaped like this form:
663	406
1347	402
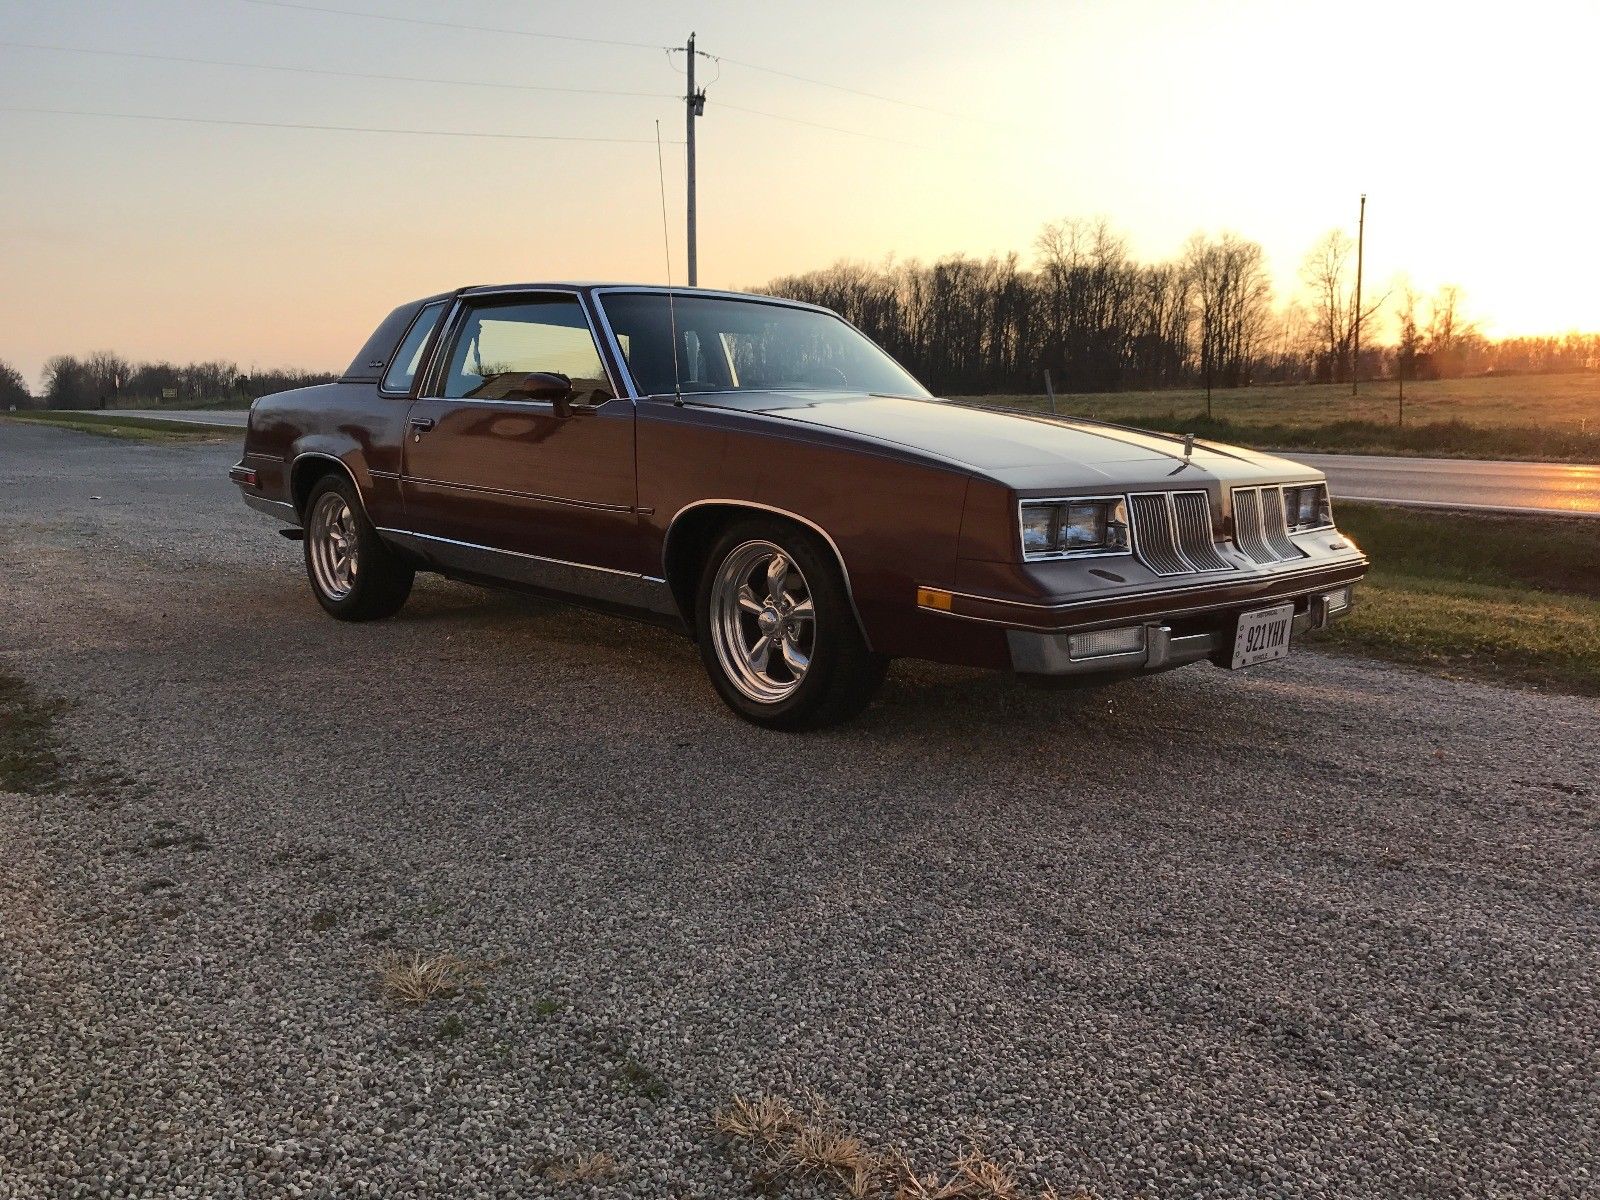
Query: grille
1193	510
1154	531
1258	526
1172	533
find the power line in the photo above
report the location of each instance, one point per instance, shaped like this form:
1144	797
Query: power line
372	16
459	133
562	37
249	66
532	87
756	112
839	87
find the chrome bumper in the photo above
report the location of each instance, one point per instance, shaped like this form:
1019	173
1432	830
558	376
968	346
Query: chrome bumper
276	509
1034	653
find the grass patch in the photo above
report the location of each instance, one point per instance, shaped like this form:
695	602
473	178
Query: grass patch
642	1079
323	920
30	755
1512	599
1548	554
1546	401
129	428
789	1144
1535	417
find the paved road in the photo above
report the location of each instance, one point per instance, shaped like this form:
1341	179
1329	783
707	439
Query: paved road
1547	488
1551	488
1325	930
229	418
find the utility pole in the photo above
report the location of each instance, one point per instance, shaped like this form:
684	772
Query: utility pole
1355	346
694	106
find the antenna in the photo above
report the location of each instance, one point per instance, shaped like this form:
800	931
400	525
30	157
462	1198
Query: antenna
666	245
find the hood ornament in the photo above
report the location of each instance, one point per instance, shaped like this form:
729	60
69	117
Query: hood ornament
1188	446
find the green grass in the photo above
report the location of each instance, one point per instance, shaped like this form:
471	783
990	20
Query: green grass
131	428
30	756
1537	417
1512	599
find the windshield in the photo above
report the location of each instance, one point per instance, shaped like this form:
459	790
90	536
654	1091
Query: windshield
746	345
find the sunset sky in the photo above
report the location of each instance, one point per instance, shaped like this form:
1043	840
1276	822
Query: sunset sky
1469	125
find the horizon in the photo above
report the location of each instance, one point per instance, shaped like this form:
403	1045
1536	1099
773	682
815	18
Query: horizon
170	240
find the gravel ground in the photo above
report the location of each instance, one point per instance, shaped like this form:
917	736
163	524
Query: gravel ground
1324	930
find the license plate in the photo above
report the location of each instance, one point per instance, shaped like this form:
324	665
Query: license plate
1263	636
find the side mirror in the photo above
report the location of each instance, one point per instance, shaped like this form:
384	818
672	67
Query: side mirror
546	385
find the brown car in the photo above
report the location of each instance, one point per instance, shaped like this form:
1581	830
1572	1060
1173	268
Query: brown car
757	473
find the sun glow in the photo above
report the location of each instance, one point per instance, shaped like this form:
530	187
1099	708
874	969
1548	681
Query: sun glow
1464	123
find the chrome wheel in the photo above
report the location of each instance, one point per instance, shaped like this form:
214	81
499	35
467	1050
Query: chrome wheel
331	540
763	623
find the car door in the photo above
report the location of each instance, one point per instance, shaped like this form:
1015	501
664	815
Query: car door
494	476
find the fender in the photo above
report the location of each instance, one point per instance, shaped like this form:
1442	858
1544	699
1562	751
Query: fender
754	506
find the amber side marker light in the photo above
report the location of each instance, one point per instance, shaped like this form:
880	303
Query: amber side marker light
934	598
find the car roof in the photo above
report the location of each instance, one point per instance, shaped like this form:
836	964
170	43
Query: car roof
482	289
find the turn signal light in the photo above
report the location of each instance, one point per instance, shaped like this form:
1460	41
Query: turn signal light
935	598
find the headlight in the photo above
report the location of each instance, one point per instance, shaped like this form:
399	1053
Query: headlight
1092	525
1307	507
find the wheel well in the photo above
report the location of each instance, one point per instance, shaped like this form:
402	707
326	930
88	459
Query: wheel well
692	535
307	472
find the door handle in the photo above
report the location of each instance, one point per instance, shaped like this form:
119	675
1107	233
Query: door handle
422	424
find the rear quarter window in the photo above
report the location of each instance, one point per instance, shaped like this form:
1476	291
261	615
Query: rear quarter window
408	358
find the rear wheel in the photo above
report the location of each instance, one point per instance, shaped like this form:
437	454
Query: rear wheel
777	632
354	576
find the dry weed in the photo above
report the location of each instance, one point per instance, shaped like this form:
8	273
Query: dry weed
801	1144
586	1168
411	977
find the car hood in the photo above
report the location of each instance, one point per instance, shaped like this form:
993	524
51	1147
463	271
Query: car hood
1022	450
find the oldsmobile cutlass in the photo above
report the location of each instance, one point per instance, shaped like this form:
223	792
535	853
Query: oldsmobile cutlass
759	474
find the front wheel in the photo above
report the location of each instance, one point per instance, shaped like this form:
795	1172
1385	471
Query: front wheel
354	576
777	631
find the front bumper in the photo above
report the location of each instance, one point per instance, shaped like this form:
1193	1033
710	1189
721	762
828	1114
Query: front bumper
1165	644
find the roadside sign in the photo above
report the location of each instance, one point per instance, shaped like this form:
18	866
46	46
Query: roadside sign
169	393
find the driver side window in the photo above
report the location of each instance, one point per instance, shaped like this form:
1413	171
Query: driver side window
501	343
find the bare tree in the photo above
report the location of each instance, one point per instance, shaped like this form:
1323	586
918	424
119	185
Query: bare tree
1408	334
1232	300
1328	274
13	388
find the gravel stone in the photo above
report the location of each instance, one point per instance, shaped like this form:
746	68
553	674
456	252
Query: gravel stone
1328	929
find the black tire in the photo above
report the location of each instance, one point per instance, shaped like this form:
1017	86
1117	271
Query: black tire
841	676
380	581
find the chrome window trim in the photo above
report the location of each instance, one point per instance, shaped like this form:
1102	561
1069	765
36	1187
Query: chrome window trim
1058	555
454	319
592	300
844	570
443	304
778	301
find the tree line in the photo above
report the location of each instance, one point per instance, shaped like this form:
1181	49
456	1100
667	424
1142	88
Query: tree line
1083	308
1099	320
105	379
